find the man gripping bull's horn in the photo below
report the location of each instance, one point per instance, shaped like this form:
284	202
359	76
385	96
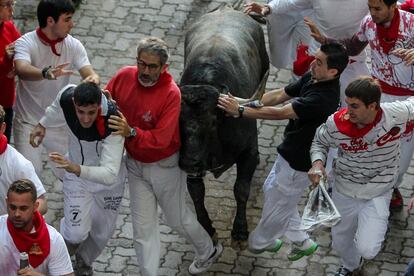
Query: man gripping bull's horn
316	96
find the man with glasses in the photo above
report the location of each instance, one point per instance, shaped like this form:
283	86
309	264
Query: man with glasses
150	103
14	166
8	34
25	230
44	61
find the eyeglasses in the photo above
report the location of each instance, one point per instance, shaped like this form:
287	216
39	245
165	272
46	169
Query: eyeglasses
8	5
142	65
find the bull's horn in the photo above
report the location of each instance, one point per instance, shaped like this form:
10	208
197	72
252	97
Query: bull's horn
258	94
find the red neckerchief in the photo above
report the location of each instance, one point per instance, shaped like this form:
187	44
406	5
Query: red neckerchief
303	60
408	5
346	127
388	36
100	122
37	244
3	143
52	43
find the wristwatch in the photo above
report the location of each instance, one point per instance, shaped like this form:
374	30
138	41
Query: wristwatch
241	110
132	133
47	73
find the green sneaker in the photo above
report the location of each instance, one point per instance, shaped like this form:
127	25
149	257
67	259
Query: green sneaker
301	249
271	248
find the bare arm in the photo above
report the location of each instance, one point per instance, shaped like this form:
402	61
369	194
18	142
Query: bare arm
268	111
275	97
88	74
353	45
26	71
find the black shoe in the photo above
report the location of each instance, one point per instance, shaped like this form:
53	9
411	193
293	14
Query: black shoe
81	267
342	271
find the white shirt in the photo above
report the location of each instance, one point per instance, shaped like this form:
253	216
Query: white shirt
57	263
102	160
34	96
338	19
13	166
366	167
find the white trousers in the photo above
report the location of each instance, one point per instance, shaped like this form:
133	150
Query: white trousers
407	141
282	189
285	32
362	228
56	140
90	212
162	183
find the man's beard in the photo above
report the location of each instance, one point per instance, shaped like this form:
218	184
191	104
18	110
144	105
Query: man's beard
147	82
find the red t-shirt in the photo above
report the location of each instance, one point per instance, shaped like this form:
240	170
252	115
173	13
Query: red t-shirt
152	111
8	34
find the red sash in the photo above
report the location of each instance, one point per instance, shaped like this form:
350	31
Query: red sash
408	5
388	36
52	43
346	127
3	143
36	244
100	122
396	91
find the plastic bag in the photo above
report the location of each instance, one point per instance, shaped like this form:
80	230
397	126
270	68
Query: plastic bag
319	210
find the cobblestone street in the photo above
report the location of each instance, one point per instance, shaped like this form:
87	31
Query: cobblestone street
110	29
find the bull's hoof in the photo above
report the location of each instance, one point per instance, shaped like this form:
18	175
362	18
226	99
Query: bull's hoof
239	245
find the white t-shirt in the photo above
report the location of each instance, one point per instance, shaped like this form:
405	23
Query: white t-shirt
13	166
336	19
57	263
34	96
388	67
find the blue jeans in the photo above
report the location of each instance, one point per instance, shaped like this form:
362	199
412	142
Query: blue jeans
410	269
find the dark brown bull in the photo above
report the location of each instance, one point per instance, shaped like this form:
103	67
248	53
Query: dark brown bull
224	51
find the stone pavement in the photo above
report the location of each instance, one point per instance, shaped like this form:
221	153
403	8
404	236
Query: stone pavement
110	30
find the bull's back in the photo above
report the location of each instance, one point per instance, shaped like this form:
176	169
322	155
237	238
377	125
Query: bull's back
235	42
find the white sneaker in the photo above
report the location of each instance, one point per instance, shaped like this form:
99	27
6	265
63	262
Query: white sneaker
198	266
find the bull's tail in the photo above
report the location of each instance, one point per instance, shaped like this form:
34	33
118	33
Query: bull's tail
237	5
222	6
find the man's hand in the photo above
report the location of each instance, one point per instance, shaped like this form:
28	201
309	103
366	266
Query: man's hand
229	104
36	135
60	71
316	172
9	50
28	272
407	55
410	204
62	163
92	78
120	125
315	33
257	8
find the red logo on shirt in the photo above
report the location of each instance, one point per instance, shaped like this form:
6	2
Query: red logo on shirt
356	144
391	135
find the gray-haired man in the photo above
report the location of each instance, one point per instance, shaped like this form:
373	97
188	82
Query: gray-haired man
150	101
